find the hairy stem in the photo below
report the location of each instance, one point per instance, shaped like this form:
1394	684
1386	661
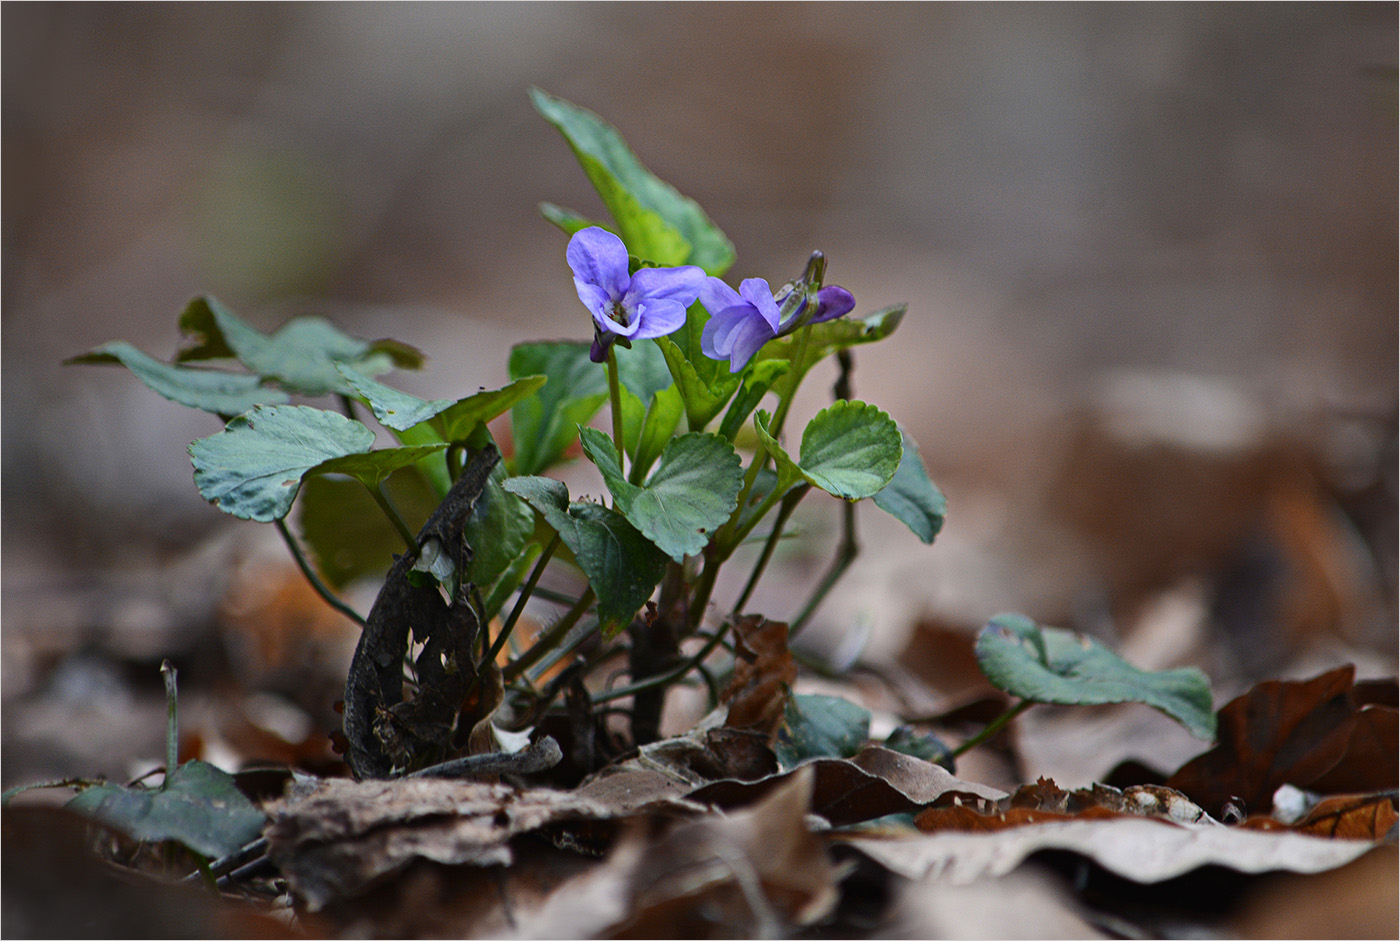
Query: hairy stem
172	722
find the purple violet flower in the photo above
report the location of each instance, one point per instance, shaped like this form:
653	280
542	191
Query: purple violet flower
742	321
650	303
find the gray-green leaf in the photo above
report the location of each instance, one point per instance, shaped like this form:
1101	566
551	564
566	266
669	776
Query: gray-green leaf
253	468
302	354
820	727
1051	665
210	390
200	807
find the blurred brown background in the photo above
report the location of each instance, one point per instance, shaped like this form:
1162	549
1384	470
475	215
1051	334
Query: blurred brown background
1149	253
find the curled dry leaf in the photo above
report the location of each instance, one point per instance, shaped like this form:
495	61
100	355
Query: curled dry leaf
875	783
1139	849
336	841
754	873
1325	734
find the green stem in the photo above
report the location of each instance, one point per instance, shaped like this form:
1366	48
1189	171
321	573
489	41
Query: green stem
845	554
455	451
321	587
667	678
551	637
993	727
615	398
172	722
525	591
789	504
382	498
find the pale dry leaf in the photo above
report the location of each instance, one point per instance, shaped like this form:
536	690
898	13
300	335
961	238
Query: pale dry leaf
1144	851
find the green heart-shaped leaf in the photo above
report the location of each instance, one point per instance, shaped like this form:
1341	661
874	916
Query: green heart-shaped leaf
692	493
1050	665
544	424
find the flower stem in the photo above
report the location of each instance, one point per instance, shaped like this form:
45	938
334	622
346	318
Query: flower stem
321	587
615	398
993	727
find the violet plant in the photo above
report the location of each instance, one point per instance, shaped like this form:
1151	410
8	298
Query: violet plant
693	469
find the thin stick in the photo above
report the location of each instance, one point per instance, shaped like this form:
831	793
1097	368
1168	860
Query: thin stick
846	553
789	504
551	637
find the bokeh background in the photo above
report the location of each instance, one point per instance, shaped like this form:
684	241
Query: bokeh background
1149	253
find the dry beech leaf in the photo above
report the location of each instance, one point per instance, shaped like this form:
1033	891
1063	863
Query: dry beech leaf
341	837
751	873
1307	734
1139	849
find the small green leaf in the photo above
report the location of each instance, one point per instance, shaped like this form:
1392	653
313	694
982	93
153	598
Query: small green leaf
922	745
911	496
199	807
849	449
1050	665
210	390
458	421
655	221
622	566
543	425
820	727
704	398
302	355
253	468
691	494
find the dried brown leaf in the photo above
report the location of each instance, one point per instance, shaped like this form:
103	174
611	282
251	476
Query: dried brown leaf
764	672
1301	733
754	872
1348	817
